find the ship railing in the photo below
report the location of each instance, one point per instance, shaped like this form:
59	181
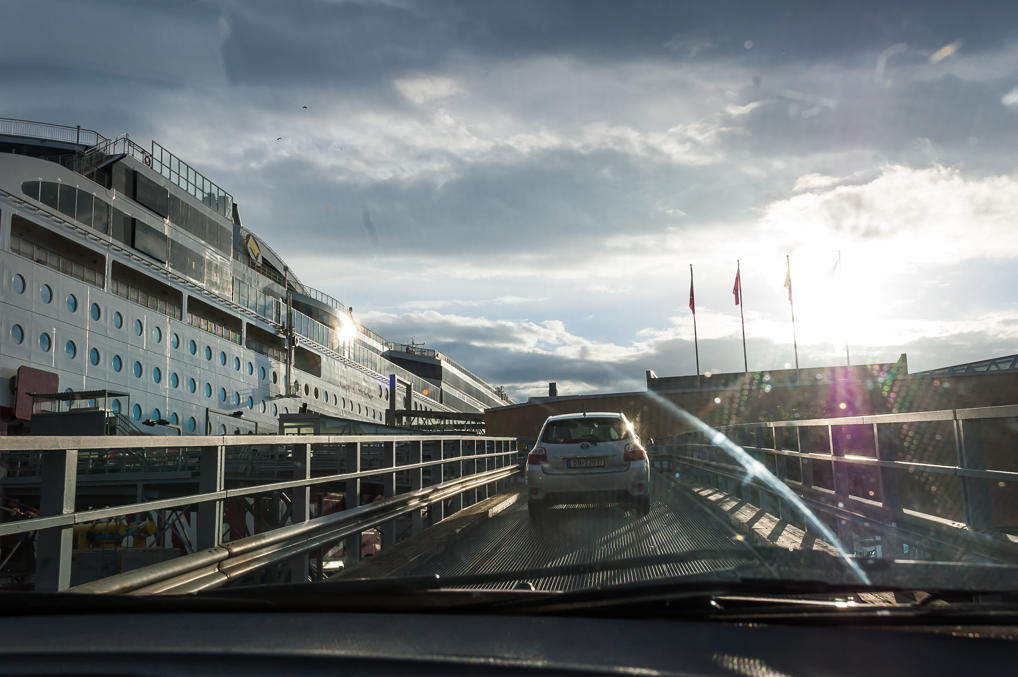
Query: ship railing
52	259
141	297
214	328
45	130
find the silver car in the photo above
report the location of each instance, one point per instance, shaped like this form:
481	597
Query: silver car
585	457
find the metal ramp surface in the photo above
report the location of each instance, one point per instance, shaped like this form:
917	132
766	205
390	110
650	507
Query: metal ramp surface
583	533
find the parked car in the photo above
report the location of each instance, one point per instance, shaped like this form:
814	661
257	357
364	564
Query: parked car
587	457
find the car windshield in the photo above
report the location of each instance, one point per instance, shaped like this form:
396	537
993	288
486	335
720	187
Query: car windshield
330	290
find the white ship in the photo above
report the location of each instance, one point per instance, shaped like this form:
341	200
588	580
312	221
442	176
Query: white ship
129	283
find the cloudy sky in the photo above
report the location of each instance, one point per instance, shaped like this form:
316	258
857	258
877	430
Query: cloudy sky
524	185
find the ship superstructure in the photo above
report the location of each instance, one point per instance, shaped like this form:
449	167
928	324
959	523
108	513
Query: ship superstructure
126	269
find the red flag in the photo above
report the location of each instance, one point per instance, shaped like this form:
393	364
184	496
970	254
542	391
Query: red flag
737	289
692	303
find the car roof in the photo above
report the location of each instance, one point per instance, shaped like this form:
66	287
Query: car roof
599	414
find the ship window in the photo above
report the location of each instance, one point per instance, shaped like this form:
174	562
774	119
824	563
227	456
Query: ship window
236	398
275	410
137	369
156	414
274	377
208	352
150	241
83	210
101	216
174	419
222	357
307	390
191	385
136	410
250	368
72	303
222	394
46	293
316	393
358	408
379	391
17	333
93	356
174	380
19	284
175	341
118	364
157	374
70	349
65	202
208	390
191	424
286	410
139	328
96	312
236	363
261	373
116	406
45	342
250	402
157	334
263	406
222	429
31	189
325	396
122	228
192	347
48	194
150	194
344	402
118	320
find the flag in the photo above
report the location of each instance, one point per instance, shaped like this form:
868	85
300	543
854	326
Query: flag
788	279
737	289
692	302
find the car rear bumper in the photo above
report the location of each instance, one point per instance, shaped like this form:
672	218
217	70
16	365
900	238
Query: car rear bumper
632	482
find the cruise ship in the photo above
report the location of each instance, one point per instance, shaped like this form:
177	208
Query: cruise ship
130	287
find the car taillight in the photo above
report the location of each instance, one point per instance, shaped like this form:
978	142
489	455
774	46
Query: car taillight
537	456
634	452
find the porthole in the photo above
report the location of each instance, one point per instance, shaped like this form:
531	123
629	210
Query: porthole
222	429
72	303
18	284
157	374
316	393
93	356
379	391
263	407
157	415
45	293
44	342
275	410
191	424
222	358
118	320
236	398
174	380
157	334
261	373
208	390
95	312
175	341
191	385
174	419
17	333
343	400
250	368
116	406
192	347
325	396
236	363
358	408
137	369
250	402
222	394
307	390
286	410
139	327
136	412
208	352
70	349
274	377
118	364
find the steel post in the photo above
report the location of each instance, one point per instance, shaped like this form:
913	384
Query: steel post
211	475
417	482
59	470
388	528
968	437
352	543
301	507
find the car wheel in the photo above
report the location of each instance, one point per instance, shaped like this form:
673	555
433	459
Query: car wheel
643	505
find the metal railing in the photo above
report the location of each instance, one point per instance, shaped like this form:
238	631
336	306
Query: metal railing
437	475
45	130
947	480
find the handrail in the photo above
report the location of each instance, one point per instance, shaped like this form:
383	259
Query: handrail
456	464
53	132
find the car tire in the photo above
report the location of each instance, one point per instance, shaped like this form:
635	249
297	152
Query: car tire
535	509
643	505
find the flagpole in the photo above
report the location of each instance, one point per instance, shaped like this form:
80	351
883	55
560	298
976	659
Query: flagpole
791	304
742	317
692	307
848	360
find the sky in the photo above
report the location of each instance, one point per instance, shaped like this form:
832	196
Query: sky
524	185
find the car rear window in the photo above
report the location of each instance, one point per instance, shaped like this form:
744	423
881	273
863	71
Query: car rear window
590	429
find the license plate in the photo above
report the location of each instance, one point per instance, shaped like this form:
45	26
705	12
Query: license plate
590	462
